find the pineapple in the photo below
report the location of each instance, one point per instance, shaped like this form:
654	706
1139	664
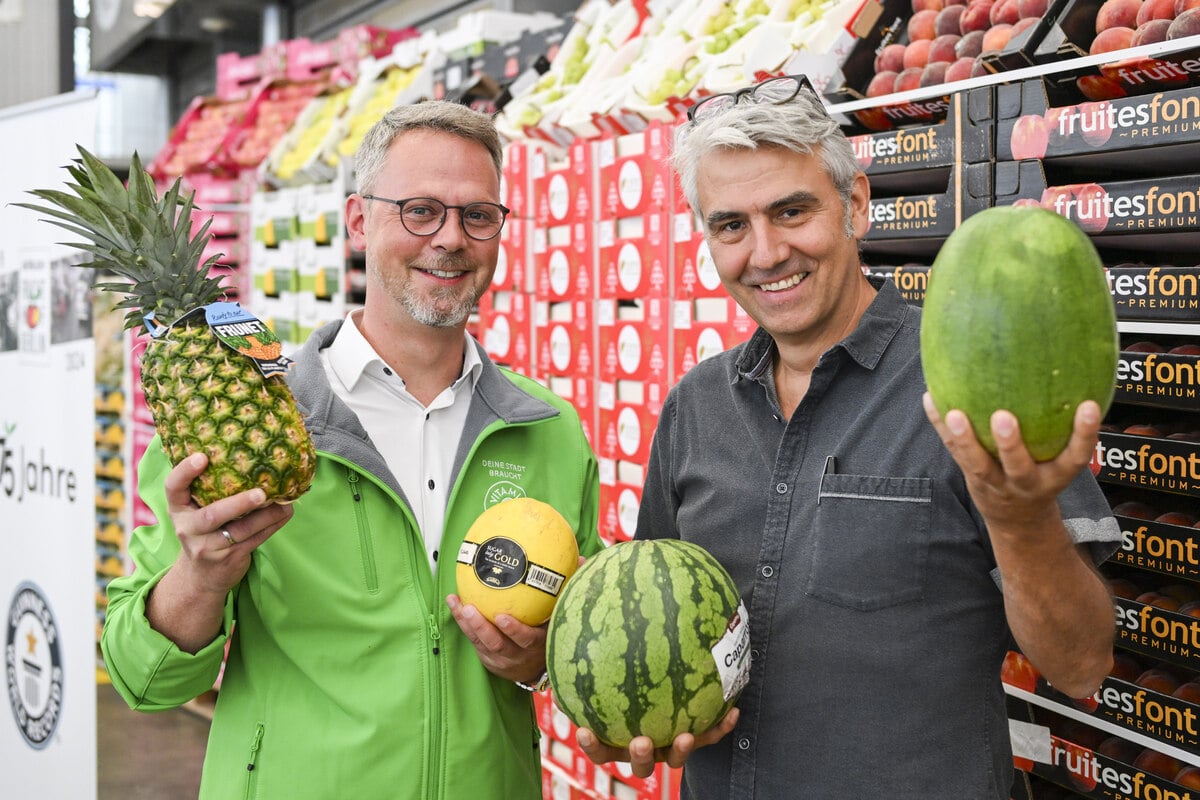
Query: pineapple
204	396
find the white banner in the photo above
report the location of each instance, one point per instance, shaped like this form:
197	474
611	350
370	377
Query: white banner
47	468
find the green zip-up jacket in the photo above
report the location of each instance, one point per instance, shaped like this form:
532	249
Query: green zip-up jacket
347	677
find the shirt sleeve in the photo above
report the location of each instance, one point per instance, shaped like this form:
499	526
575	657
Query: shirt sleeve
1088	518
147	669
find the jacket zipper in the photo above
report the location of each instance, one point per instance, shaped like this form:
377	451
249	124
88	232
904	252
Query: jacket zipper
365	545
434	723
255	744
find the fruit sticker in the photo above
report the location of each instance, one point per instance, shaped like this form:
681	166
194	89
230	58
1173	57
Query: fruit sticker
239	330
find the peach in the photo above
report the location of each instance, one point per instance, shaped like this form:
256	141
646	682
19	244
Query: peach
1150	32
1185	5
1188	349
1154	9
979	67
1158	600
1031	8
1141	429
1183	592
890	58
1186	520
1117	14
1135	509
969	45
1188	777
976	17
1126	667
1119	749
883	83
1004	12
934	73
1143	346
923	5
916	53
1123	588
1188	692
1111	39
1023	24
996	37
949	20
921	25
943	48
909	79
1160	764
1186	24
959	69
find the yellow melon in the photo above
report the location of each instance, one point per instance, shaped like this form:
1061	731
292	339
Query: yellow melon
515	559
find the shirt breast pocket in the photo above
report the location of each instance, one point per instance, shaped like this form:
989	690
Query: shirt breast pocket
872	539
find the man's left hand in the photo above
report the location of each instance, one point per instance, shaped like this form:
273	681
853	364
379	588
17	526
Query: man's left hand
509	648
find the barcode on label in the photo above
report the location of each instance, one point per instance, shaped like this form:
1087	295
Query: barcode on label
544	579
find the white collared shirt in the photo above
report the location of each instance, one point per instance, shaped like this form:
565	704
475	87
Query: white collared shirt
417	442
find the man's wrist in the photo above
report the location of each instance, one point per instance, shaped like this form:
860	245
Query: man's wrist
538	684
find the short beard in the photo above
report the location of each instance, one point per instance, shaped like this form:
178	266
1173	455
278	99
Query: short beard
446	307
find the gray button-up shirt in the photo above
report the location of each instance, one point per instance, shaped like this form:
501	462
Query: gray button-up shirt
877	624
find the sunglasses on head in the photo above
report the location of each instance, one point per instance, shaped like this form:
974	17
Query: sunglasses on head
772	91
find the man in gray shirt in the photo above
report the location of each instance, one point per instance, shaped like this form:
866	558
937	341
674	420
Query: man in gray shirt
887	563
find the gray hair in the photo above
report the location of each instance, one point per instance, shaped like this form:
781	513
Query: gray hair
800	125
434	115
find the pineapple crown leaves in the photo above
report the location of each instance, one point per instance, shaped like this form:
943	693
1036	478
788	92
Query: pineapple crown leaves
131	232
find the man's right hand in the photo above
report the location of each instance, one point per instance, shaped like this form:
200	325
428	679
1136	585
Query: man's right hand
641	753
216	542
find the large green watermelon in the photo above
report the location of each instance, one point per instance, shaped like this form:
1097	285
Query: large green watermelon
648	638
1018	315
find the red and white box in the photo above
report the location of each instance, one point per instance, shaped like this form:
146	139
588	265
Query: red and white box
634	256
563	258
565	335
506	329
695	271
628	413
633	339
705	327
514	256
635	174
564	188
620	499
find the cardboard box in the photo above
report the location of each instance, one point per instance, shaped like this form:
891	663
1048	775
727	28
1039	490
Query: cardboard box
1159	547
564	188
1148	214
1155	293
705	327
1140	134
910	279
627	429
917	224
633	340
513	260
1090	774
506	329
877	24
634	256
921	156
564	261
1158	379
634	173
565	334
1167	636
695	273
1164	465
619	504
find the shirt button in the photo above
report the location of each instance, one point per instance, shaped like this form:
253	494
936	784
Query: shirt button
767	571
753	653
431	484
781	488
744	743
387	371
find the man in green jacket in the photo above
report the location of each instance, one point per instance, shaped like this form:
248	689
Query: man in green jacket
353	670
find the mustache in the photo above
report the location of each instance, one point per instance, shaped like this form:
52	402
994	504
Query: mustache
446	262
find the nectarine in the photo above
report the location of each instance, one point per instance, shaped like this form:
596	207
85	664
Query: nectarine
1117	14
1186	24
890	58
1111	39
921	25
1150	32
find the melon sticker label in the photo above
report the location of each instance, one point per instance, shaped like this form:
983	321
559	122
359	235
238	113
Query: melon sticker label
239	330
501	563
732	653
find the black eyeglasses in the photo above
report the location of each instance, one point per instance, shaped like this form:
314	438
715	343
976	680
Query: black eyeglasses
425	216
772	91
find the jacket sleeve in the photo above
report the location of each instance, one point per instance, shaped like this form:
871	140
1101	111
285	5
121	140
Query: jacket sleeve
148	670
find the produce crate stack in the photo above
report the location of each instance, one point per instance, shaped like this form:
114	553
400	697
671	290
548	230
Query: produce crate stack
564	270
506	310
321	251
1119	161
275	264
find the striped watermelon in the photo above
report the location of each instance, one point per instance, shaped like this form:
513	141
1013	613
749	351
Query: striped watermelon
648	638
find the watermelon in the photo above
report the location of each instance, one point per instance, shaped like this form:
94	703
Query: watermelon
1018	315
648	638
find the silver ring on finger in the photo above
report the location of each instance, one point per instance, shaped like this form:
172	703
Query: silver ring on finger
229	537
